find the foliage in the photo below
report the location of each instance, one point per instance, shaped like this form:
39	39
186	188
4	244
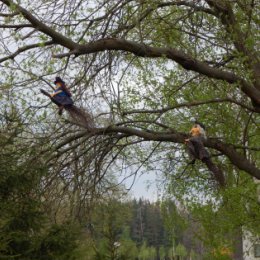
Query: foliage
25	232
59	243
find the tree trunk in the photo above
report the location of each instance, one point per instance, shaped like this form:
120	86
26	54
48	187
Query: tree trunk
238	246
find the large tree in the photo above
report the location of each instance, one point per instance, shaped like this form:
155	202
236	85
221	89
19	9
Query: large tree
153	65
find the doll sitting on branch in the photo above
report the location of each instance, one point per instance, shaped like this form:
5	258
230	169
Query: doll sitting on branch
62	98
195	144
61	95
197	151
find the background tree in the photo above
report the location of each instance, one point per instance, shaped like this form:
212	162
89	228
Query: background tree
26	229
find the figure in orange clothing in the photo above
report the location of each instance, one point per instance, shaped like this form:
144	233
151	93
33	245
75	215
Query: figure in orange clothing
198	151
195	143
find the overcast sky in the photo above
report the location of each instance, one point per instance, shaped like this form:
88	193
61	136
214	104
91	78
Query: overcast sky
144	186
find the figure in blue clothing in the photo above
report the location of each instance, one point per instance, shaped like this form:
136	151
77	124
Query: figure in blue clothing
62	98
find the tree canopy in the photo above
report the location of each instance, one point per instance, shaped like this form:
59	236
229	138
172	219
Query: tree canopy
146	70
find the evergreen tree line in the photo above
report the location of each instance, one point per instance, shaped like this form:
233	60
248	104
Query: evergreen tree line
143	230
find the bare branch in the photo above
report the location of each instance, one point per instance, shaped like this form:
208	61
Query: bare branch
189	104
16	26
162	5
26	48
9	15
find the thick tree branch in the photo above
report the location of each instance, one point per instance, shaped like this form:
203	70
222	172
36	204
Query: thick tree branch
186	61
56	36
192	5
235	157
141	50
228	150
119	132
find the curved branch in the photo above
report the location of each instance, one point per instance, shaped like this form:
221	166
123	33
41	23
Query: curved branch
188	104
235	157
141	50
186	61
119	132
228	150
26	48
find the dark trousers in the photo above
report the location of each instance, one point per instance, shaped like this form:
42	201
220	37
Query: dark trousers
196	148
